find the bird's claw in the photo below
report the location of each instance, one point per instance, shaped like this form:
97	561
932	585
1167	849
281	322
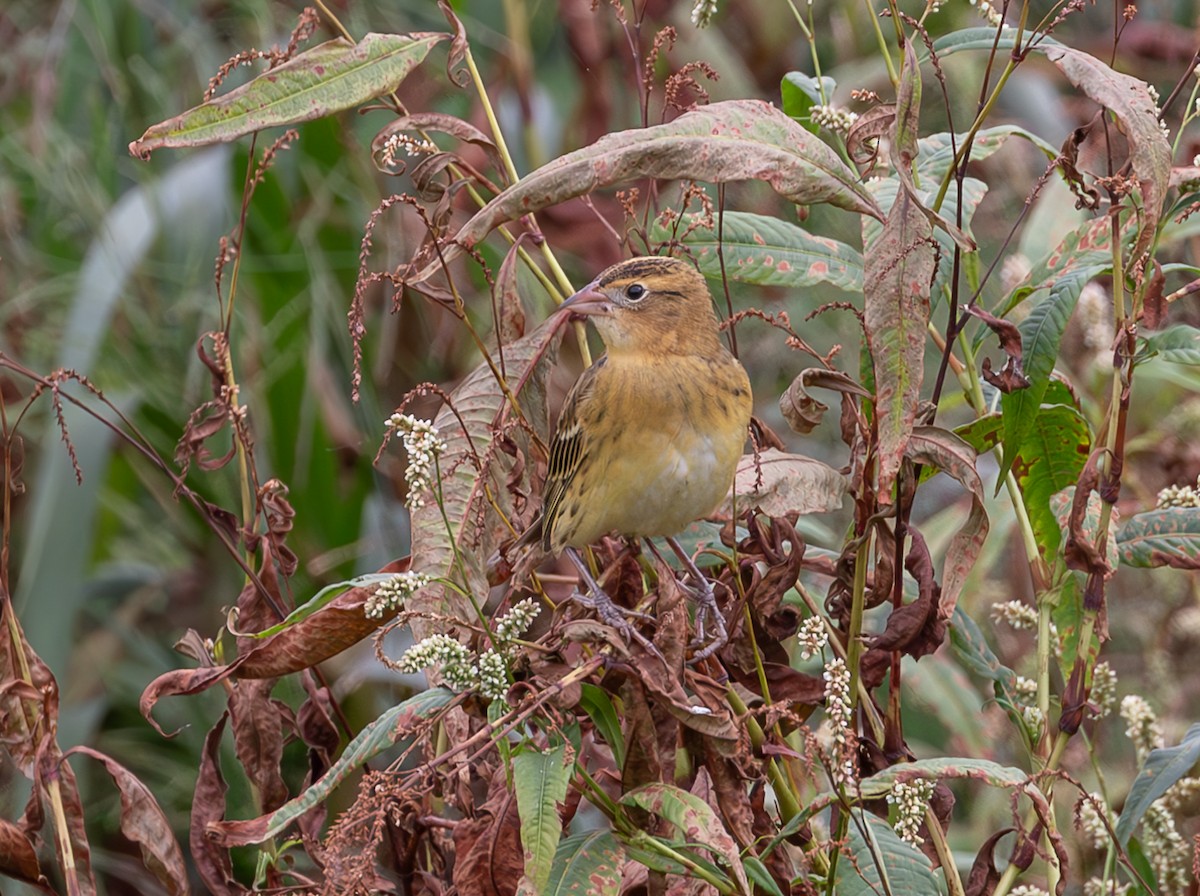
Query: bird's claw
617	617
707	610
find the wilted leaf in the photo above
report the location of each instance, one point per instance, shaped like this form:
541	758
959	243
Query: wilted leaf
18	858
144	823
779	483
803	412
328	78
430	121
391	726
899	274
339	624
474	479
953	456
1129	99
719	143
213	863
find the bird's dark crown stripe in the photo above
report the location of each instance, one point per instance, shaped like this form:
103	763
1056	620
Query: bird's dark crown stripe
639	267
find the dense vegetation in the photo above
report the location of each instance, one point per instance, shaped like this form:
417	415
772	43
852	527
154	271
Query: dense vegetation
951	244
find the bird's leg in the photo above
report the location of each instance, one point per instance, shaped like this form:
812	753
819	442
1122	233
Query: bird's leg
609	612
706	606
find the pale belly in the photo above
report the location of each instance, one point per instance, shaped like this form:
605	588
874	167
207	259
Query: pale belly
680	476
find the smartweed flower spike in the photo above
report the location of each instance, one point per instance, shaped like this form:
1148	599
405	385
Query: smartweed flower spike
423	445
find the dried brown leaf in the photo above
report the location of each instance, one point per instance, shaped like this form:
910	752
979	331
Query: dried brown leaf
144	823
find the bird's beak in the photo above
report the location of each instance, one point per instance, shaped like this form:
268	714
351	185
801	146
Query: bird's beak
586	302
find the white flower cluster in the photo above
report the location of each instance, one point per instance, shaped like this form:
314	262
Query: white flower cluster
833	119
392	594
1091	822
812	636
840	713
1104	689
1179	496
423	445
994	18
1027	890
1098	886
703	12
1169	853
1017	614
442	652
408	145
910	800
461	669
1141	725
518	618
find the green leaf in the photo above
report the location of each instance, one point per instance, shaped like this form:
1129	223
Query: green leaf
1163	768
982	38
880	862
982	434
695	819
765	251
972	648
587	864
1050	458
540	782
1084	254
391	726
937	151
800	92
760	876
597	703
1168	537
1179	345
328	78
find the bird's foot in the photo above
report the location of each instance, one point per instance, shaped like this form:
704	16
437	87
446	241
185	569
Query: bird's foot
706	609
610	614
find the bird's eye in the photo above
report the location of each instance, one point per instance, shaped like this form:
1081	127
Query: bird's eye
636	292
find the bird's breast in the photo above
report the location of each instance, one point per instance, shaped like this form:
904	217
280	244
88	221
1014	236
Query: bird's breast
673	459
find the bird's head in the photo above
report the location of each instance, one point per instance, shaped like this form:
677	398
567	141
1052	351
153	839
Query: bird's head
649	304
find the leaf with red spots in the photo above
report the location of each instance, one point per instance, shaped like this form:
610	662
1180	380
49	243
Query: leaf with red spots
1167	537
764	251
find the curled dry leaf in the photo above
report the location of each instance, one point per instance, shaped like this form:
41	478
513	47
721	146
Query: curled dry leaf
144	823
803	412
338	625
778	483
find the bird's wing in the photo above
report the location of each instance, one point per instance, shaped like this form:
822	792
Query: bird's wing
567	449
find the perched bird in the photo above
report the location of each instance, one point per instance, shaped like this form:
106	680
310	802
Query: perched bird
649	437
